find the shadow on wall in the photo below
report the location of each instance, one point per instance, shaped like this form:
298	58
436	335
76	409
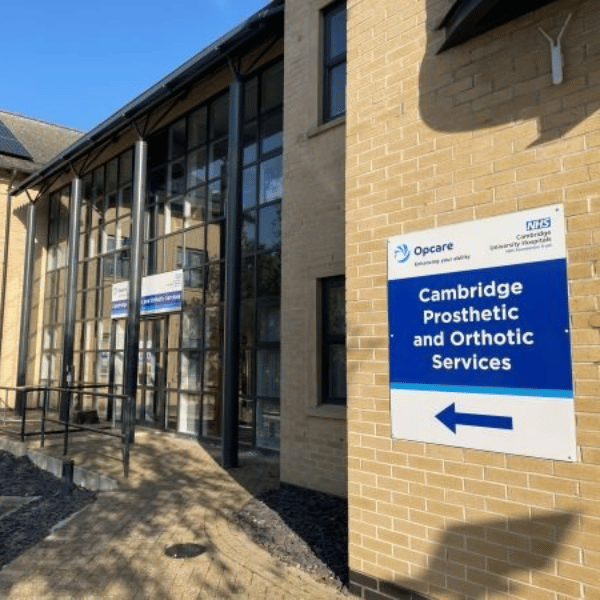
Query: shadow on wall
504	76
480	560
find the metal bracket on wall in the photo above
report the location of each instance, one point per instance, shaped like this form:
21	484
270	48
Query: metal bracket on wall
556	53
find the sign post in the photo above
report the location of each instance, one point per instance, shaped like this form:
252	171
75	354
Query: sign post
480	353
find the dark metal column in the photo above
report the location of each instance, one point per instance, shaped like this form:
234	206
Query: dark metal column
26	307
135	287
66	378
232	277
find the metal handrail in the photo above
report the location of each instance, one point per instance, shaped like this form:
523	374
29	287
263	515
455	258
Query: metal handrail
124	435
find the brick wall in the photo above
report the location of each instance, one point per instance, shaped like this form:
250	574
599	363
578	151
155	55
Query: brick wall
439	139
313	436
12	314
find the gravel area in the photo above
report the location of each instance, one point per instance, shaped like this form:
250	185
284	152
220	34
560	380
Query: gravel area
303	528
32	502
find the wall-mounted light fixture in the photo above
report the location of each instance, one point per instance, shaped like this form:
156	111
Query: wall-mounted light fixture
556	53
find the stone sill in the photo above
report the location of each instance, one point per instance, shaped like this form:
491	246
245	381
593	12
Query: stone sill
328	411
319	129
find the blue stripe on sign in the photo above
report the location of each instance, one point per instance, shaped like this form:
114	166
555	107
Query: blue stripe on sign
461	389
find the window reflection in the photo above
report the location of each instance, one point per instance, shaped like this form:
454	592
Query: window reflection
184	225
271	180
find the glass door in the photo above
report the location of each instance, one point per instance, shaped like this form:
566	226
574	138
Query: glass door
152	368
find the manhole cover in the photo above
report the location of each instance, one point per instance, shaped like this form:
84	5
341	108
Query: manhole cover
184	550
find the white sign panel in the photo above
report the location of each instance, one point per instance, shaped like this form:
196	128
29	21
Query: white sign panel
161	293
480	353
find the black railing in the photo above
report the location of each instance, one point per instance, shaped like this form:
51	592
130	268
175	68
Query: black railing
68	428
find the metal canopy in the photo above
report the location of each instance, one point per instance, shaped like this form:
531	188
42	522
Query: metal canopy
470	18
230	44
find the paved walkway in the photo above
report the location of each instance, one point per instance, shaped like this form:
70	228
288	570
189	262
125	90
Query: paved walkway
176	493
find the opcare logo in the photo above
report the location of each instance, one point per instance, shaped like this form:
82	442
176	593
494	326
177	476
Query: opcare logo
401	253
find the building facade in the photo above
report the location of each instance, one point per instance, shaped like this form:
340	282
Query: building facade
224	130
26	144
458	136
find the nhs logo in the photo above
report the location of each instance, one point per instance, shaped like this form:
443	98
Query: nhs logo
536	224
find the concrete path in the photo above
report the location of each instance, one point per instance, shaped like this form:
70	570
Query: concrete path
176	493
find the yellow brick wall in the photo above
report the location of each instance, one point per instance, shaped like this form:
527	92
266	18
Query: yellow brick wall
433	140
12	314
313	435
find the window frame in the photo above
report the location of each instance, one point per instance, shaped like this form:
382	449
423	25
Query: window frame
329	64
329	339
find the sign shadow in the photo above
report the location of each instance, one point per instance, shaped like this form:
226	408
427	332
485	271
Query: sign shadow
480	560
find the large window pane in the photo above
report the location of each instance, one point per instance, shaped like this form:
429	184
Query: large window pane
268	323
197	162
272	132
197	127
249	187
219	112
177	143
334	61
157	149
269	274
337	91
218	160
249	142
126	167
249	232
195	206
271	180
269	234
212	371
272	87
335	26
176	178
251	99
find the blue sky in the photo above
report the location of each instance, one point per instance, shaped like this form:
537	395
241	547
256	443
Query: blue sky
75	63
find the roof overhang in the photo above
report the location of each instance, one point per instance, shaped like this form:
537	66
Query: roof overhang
470	18
226	47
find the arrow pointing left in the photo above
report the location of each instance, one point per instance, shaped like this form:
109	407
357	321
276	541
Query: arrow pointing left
450	418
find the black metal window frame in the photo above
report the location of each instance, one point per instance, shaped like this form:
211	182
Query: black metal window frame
330	63
329	339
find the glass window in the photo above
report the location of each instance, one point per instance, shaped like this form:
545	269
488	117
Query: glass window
249	187
111	175
177	143
196	172
272	87
268	323
251	99
269	231
219	113
126	167
197	127
271	180
176	178
334	61
192	263
333	344
272	132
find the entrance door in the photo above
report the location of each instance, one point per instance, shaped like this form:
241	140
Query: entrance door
152	370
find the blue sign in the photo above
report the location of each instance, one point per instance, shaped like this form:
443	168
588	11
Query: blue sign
161	293
479	335
498	330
